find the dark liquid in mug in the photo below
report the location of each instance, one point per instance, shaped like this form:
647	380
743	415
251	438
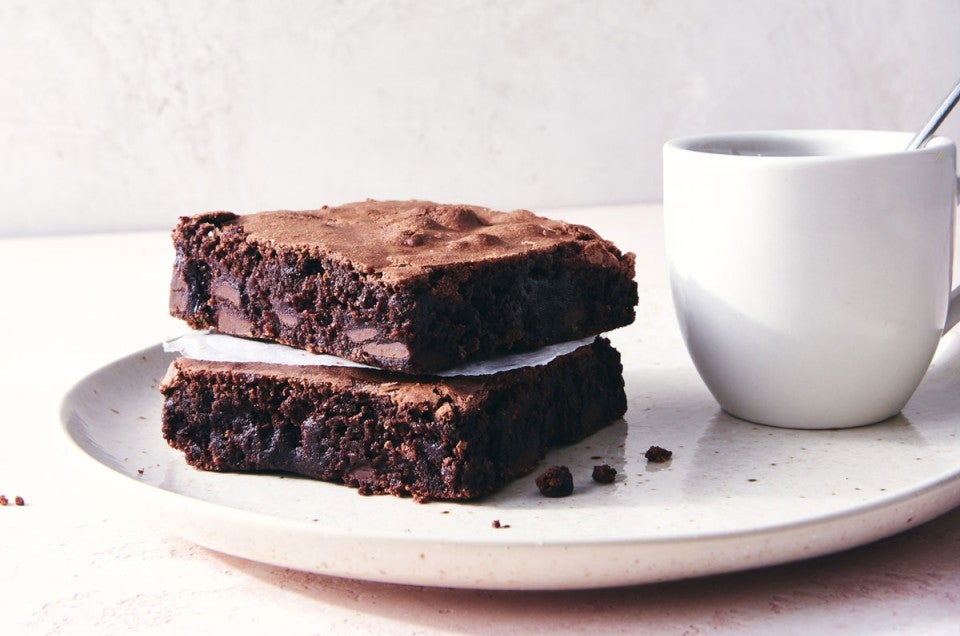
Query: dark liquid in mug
757	151
855	144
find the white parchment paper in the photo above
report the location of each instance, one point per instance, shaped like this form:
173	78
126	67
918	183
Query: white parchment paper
217	347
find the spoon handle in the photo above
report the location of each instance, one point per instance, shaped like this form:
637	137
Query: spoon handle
922	137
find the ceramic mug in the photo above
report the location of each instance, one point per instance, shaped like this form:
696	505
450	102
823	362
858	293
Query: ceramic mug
811	270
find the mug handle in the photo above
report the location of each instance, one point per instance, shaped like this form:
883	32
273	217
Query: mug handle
953	308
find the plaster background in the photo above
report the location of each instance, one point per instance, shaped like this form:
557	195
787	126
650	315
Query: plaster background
121	115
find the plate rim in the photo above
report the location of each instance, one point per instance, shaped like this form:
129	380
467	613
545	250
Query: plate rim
938	494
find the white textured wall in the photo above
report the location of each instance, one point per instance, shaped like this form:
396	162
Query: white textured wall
117	114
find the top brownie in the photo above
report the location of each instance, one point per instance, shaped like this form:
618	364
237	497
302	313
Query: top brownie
410	286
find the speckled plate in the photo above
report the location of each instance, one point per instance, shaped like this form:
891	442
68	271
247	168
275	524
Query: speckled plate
734	496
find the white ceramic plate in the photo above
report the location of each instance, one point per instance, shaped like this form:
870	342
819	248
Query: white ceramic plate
735	495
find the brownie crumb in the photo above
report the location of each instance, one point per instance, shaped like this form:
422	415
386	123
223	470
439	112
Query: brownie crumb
496	524
658	455
18	500
3	500
604	474
139	471
555	481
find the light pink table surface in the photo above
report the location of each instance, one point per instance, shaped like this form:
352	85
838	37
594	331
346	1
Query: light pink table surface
72	562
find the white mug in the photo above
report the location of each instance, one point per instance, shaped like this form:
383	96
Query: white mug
811	270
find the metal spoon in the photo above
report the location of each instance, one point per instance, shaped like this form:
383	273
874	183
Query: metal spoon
922	137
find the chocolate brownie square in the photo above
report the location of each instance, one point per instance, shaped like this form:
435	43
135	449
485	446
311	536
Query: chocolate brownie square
430	437
409	286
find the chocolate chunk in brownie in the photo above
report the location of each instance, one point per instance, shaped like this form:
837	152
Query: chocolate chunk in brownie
604	474
383	432
409	286
556	481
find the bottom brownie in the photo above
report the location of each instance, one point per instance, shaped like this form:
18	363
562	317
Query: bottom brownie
433	438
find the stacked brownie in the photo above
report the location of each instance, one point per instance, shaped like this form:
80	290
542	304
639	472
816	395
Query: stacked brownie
412	290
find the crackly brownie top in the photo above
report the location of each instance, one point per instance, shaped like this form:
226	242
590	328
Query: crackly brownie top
459	391
402	238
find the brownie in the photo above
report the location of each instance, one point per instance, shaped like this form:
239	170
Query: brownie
452	438
409	286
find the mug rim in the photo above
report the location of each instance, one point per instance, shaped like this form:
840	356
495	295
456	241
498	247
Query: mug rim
700	144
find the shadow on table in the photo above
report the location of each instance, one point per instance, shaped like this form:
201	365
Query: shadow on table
889	584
